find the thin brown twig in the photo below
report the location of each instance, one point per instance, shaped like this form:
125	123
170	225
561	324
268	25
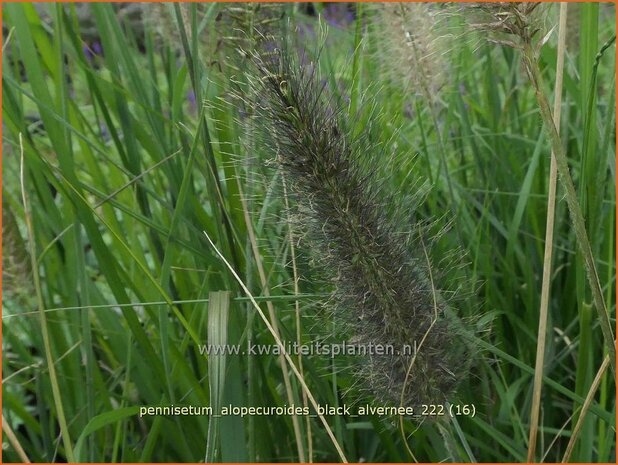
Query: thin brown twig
417	349
273	318
570	194
549	246
297	312
584	410
14	441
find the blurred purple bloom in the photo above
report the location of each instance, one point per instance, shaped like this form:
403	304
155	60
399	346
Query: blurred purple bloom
93	50
97	48
88	52
269	45
306	31
338	14
192	101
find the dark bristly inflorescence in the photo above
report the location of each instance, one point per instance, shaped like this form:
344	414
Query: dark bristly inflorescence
384	290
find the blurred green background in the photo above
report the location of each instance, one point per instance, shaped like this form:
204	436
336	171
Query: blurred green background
132	147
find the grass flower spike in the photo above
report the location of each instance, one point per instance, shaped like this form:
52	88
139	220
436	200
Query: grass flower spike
413	43
383	283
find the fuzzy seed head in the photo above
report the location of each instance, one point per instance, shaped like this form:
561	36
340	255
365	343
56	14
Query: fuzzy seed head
234	28
385	293
412	44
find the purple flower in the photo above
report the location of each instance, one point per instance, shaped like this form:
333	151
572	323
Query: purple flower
192	101
93	50
306	31
338	14
97	48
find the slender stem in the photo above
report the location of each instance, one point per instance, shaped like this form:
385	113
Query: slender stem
53	379
297	312
549	246
273	319
582	414
10	435
577	218
275	335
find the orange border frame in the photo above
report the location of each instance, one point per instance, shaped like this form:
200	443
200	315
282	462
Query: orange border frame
292	1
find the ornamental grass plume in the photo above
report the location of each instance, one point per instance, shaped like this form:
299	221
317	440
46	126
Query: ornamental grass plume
412	46
384	288
232	27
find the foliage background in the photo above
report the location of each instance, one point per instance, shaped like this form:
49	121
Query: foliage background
124	168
